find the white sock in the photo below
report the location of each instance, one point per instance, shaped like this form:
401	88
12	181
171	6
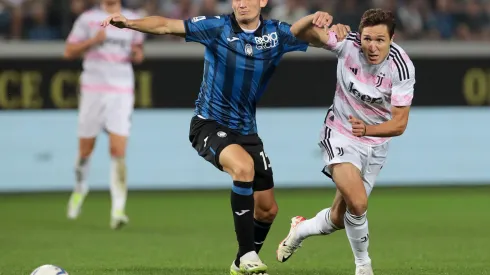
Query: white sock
81	172
321	224
250	256
119	189
358	235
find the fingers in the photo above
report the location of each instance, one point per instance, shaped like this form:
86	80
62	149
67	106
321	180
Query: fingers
322	19
358	127
111	19
342	31
358	130
106	22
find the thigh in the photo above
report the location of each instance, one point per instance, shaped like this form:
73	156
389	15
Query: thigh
264	179
348	180
336	149
209	138
119	109
374	164
90	115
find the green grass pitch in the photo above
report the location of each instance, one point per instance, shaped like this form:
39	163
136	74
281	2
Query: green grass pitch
419	231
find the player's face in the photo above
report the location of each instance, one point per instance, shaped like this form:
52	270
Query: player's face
247	10
375	43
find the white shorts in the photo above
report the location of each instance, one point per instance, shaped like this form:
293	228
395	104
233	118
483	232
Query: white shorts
369	159
104	111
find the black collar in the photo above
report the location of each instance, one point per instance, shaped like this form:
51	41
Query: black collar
238	29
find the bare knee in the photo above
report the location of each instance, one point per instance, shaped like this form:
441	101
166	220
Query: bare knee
238	163
85	147
117	146
243	171
358	205
347	178
117	151
266	214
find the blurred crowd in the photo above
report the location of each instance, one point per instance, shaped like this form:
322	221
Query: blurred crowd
417	19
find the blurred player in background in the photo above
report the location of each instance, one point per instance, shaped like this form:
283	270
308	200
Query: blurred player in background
375	85
242	51
106	99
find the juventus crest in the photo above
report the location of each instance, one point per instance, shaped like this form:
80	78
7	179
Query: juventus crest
379	79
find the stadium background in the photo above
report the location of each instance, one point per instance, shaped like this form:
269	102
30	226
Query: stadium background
432	170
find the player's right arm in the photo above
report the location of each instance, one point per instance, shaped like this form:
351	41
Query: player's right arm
149	24
202	29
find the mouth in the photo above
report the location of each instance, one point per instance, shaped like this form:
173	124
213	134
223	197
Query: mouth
242	12
373	57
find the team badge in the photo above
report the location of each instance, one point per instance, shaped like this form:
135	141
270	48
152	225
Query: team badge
249	50
379	79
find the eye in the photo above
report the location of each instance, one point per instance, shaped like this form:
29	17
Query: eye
381	40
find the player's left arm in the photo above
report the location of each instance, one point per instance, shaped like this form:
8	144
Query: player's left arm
401	99
394	127
288	40
137	52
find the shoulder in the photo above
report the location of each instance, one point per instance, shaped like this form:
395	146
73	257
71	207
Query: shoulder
401	64
215	19
276	24
354	38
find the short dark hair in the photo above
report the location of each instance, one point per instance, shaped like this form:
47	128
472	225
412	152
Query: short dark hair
374	17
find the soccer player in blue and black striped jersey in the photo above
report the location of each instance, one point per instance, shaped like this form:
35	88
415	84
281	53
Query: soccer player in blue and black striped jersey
242	52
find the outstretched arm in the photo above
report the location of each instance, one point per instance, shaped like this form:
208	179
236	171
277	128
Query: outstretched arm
312	28
315	29
149	24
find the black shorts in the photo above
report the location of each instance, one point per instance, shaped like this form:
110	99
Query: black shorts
209	138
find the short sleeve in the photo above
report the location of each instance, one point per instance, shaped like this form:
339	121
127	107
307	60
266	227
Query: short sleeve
289	42
79	31
203	29
403	79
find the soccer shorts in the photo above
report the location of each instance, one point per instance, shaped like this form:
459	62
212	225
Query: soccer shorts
104	111
369	159
209	138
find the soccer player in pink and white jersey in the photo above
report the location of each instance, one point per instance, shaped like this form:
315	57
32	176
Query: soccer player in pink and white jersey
106	100
375	85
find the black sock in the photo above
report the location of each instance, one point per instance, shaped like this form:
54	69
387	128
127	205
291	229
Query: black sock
261	231
242	205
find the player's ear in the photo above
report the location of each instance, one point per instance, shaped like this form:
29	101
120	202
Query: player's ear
263	3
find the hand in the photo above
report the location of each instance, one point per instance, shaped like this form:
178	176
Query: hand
137	55
322	19
358	127
116	19
341	31
99	37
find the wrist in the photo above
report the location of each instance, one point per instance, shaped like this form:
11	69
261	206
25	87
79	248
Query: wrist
365	130
129	24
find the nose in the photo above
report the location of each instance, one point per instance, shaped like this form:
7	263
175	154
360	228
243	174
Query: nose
372	47
241	4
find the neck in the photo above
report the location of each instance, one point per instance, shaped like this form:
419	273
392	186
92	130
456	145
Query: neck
251	25
111	7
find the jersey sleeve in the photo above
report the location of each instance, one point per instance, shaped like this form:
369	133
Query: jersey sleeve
340	47
203	29
79	31
403	81
138	38
289	42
